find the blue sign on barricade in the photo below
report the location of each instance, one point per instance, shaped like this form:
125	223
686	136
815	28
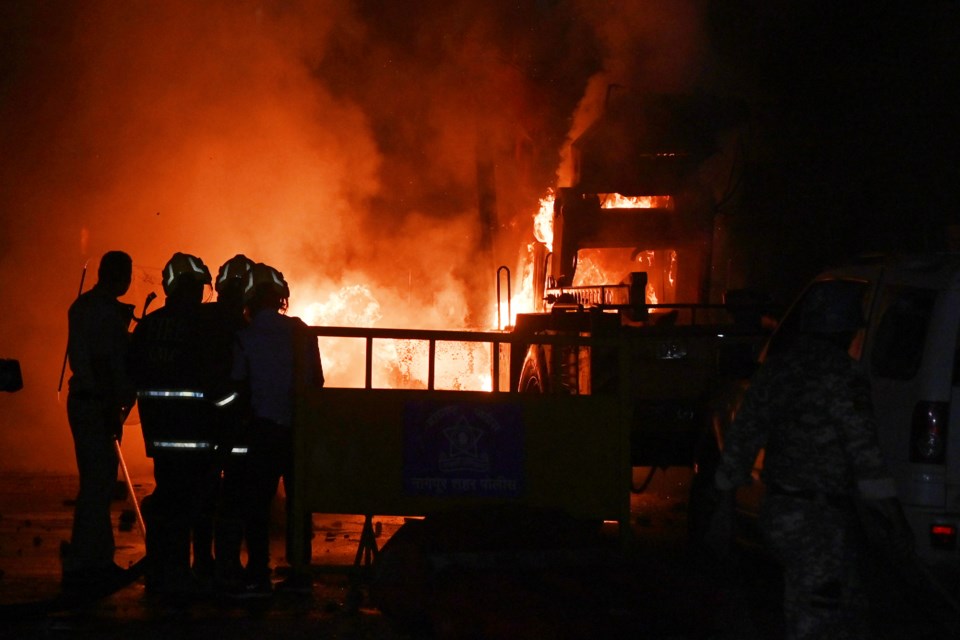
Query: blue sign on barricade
463	449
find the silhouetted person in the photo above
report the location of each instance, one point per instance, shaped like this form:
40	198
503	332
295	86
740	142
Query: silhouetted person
100	393
175	356
810	408
266	358
227	489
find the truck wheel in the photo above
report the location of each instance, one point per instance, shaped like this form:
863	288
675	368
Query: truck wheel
533	375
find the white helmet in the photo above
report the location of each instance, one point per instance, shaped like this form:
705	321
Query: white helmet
264	276
183	265
235	270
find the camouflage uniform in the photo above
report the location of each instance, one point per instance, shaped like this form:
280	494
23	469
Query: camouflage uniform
810	408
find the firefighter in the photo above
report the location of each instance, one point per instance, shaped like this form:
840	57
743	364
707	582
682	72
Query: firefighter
809	406
268	352
175	355
227	493
99	396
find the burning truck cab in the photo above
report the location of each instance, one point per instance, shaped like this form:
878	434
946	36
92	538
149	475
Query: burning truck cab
636	203
628	251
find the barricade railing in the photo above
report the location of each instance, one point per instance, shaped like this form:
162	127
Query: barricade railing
381	451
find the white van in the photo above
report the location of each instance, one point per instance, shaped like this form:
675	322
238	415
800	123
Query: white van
911	350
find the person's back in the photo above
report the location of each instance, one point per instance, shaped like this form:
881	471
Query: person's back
218	531
274	355
817	419
173	365
268	349
174	361
809	408
168	346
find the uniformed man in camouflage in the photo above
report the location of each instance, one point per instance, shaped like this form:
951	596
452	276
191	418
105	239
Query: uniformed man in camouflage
809	407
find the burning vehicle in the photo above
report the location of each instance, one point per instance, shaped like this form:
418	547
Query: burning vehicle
627	250
622	362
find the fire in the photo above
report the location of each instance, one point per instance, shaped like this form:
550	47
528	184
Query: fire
403	364
397	364
617	201
543	221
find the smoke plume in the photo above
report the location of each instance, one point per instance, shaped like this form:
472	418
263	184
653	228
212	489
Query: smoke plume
344	143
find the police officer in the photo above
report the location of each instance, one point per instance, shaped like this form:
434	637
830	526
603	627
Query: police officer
100	393
809	407
175	355
265	361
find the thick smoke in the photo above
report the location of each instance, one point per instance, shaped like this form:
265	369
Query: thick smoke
347	144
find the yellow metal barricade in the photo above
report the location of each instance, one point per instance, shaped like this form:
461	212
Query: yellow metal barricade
415	452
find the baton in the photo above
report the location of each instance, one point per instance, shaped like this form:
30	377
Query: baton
130	491
63	368
116	443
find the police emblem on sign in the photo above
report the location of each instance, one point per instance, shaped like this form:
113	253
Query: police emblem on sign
462	449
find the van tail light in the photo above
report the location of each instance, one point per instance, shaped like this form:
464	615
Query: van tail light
943	536
928	432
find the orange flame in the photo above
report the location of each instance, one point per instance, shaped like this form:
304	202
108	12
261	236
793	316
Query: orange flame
543	221
397	364
617	201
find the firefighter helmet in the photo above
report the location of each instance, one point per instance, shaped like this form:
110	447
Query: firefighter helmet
265	277
234	272
184	265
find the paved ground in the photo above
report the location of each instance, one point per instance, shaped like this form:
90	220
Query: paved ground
659	591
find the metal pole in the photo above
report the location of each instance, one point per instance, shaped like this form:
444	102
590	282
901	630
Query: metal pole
500	271
66	351
116	442
130	491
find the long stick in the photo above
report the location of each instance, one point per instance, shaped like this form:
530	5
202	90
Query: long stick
130	491
66	351
116	445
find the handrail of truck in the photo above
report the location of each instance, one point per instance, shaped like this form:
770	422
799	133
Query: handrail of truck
590	294
504	269
433	336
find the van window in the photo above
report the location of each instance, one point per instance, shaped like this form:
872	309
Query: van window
854	291
902	331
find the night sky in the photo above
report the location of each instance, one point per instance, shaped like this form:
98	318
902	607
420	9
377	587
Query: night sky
339	142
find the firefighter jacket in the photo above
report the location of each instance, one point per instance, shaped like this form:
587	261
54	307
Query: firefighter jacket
274	356
177	362
97	346
810	408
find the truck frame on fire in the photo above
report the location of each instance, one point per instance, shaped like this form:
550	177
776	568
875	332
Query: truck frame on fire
631	257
